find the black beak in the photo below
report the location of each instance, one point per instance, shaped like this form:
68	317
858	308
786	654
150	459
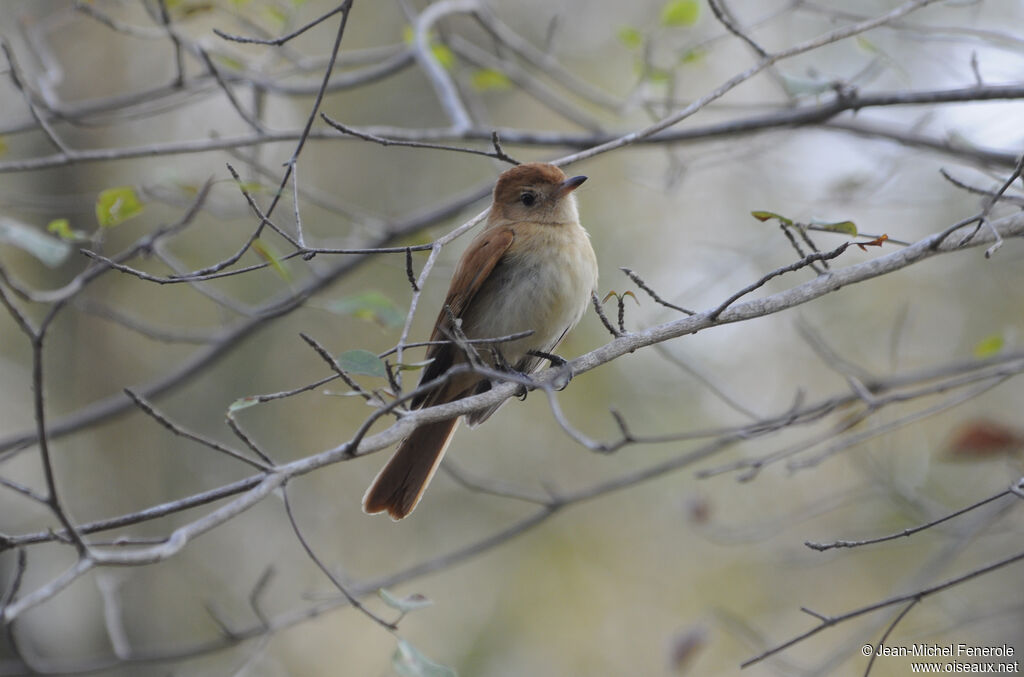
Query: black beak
569	185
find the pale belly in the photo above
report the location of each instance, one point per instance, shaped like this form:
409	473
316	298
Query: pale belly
546	293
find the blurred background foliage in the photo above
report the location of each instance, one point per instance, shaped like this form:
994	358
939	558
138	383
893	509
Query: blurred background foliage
624	584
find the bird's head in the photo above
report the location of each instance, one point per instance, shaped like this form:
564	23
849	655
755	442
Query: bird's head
536	192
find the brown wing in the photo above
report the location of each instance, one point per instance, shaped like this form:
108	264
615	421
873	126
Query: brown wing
473	269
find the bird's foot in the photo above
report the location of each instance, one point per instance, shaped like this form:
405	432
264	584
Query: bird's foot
565	375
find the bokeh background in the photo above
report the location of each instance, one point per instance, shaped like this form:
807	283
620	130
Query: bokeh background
620	585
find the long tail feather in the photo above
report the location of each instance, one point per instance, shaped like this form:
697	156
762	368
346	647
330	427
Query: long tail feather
400	484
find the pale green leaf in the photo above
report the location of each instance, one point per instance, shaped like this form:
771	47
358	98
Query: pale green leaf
268	254
413	366
680	13
247	186
691	56
116	205
62	229
184	10
49	250
361	361
276	14
409	662
404	604
631	37
444	55
845	227
370	305
801	86
989	346
229	62
867	45
766	216
658	75
243	403
489	79
345	393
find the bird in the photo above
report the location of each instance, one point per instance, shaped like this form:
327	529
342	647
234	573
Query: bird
531	268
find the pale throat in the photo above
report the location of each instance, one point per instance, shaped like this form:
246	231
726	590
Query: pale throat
564	212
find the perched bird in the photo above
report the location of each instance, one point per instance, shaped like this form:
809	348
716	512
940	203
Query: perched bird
530	268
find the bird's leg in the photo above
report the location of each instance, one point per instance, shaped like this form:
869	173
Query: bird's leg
556	362
501	364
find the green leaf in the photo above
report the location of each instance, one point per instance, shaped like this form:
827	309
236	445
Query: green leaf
767	216
243	403
989	346
361	361
116	205
277	14
184	10
267	253
867	45
845	227
49	250
3	145
247	186
695	55
658	75
413	366
347	393
680	13
409	662
631	37
229	62
370	305
444	55
404	604
801	86
62	229
489	79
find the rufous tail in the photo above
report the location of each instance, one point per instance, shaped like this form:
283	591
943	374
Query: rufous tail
400	484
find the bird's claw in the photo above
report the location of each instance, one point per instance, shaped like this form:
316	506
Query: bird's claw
561	381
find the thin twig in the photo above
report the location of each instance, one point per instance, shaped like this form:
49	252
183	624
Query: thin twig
367	136
277	42
892	601
179	63
888	631
796	265
215	72
650	292
721	13
145	406
909	531
352	600
604	318
326	356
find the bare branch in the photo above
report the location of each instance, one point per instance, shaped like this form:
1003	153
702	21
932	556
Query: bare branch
892	601
909	531
447	93
650	292
352	600
277	42
181	432
366	136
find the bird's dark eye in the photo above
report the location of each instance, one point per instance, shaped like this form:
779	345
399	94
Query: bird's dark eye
528	199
